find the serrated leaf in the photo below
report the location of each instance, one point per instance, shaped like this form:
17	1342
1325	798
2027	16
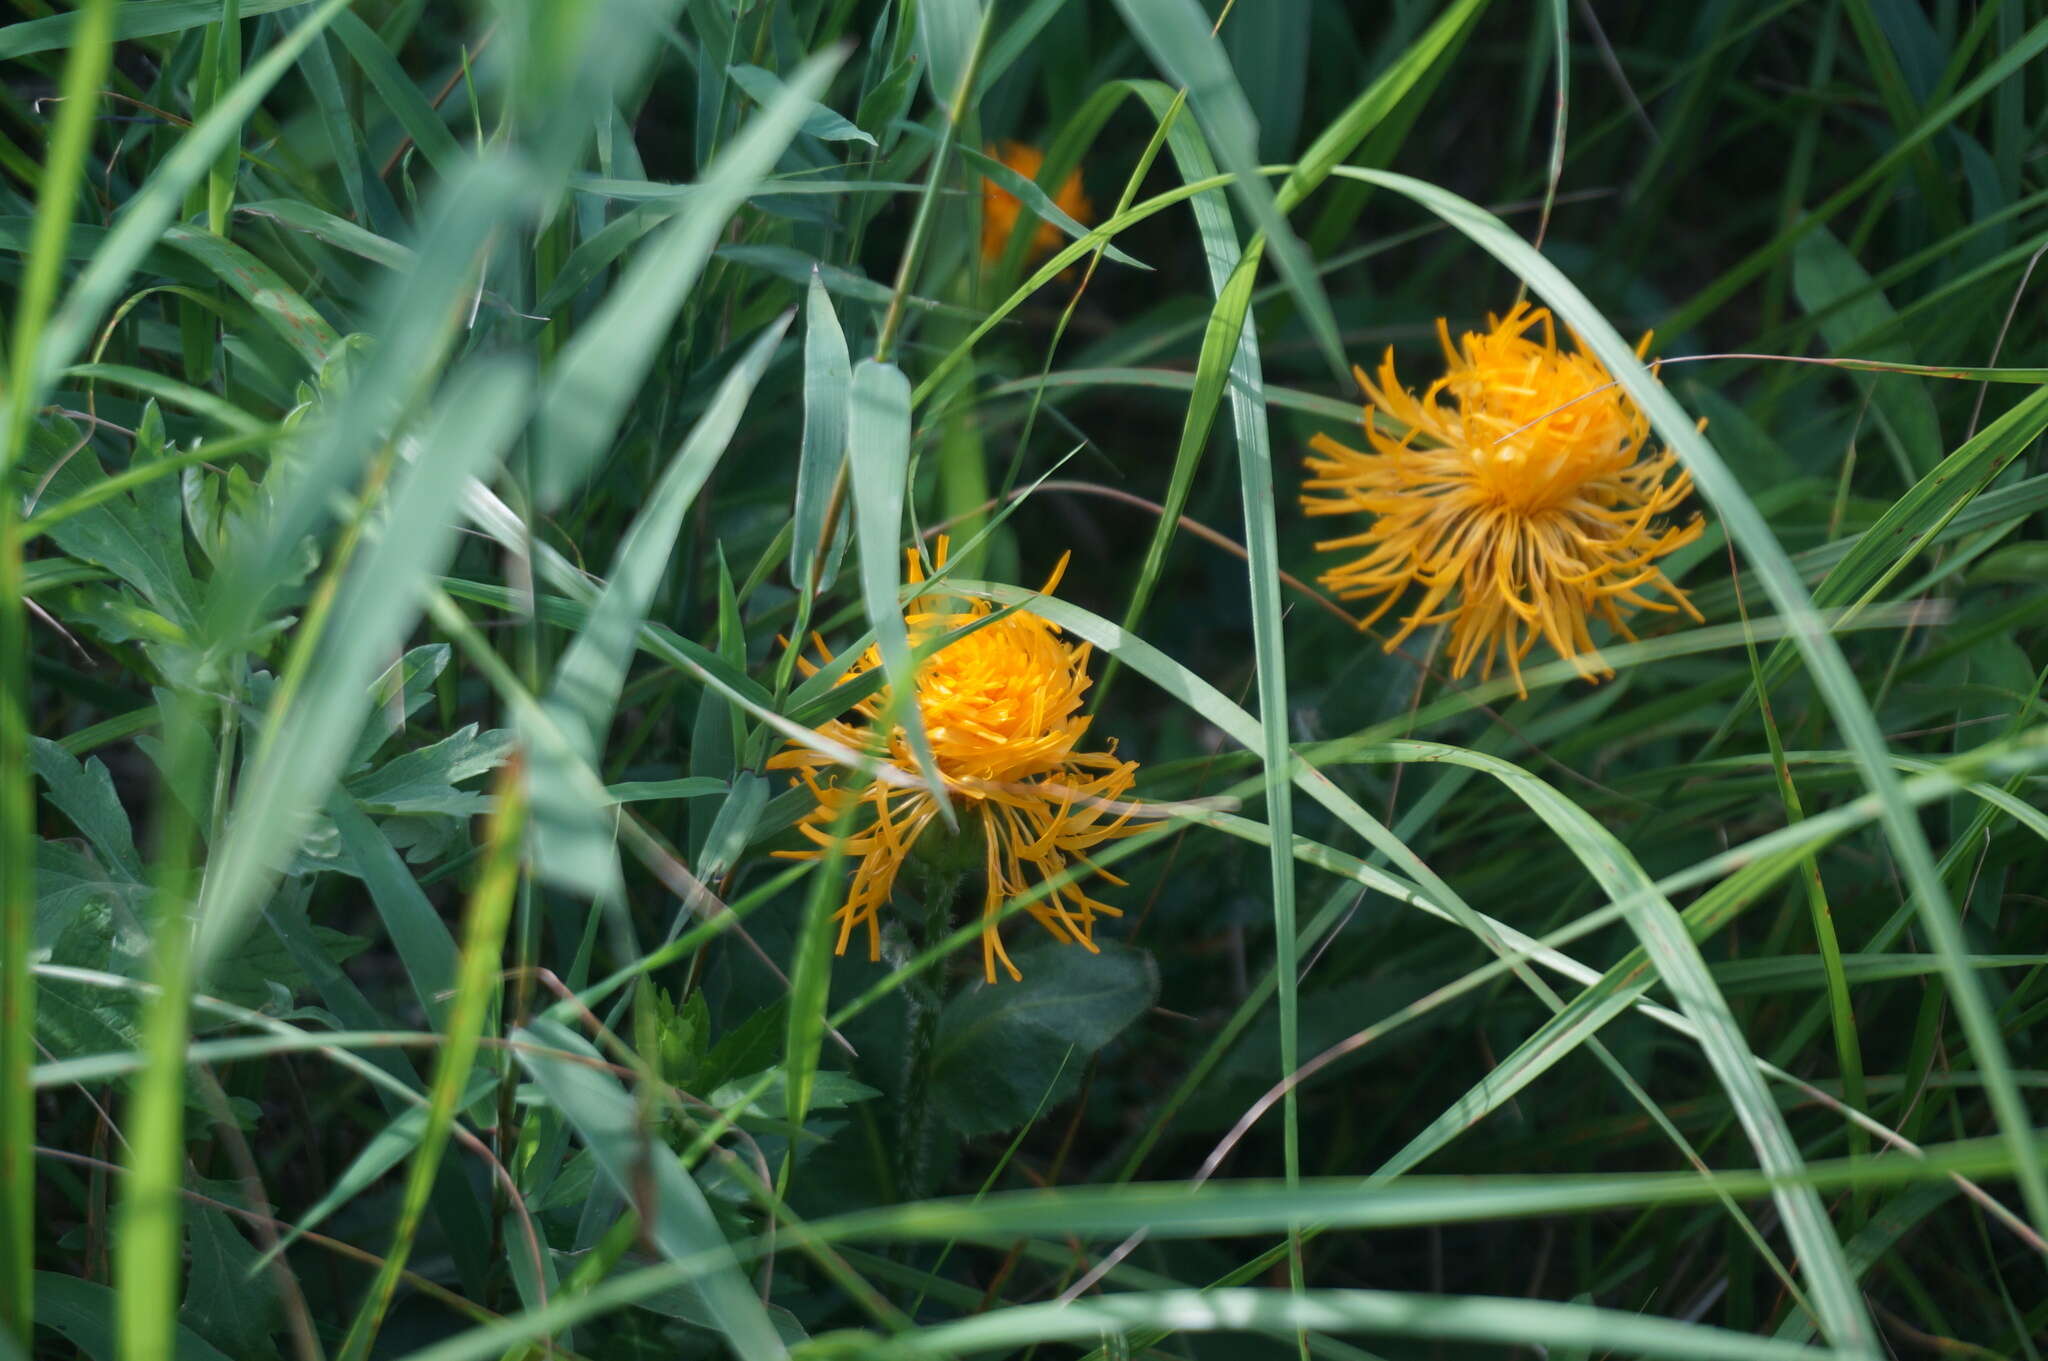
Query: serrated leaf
84	793
261	966
424	781
138	536
223	1302
69	882
830	1090
86	921
83	1312
751	1046
398	695
1002	1047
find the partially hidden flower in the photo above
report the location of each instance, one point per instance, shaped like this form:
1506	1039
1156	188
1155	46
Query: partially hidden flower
1520	502
999	207
1001	707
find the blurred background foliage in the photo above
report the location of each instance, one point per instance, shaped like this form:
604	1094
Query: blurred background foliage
427	423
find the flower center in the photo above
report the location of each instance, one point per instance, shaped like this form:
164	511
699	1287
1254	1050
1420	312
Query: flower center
1003	702
1537	428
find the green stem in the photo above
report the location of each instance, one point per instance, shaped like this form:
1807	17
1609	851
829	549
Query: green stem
921	225
914	1127
923	999
150	1220
65	155
17	943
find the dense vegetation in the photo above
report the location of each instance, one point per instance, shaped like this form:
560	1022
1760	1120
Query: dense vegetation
475	882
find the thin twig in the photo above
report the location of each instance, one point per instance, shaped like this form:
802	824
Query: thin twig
1984	388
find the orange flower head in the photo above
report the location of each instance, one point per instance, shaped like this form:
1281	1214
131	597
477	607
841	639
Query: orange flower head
1520	501
1001	707
999	207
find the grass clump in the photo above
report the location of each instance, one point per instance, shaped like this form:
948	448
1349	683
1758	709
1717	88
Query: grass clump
666	686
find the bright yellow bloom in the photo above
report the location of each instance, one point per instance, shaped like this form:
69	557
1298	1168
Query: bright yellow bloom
1002	709
999	207
1519	501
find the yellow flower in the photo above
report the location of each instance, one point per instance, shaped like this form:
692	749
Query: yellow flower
1520	501
999	207
1002	709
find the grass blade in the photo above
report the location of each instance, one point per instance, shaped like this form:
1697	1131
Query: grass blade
69	146
304	740
421	123
1679	963
424	945
1469	1318
828	380
1817	646
1178	36
573	843
646	1171
611	355
878	462
476	990
142	222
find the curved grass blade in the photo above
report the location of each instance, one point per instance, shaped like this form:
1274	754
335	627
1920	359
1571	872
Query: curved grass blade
642	1168
303	742
483	949
172	393
1500	1321
1908	526
1241	1208
387	1148
1823	656
135	19
573	842
1178	36
1670	947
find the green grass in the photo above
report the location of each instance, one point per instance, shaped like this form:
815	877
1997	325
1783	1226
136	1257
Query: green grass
432	435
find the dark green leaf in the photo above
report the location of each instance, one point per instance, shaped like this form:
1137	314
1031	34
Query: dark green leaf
1002	1046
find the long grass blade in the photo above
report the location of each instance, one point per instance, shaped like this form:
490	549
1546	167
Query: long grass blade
476	990
678	1220
573	843
64	165
1817	646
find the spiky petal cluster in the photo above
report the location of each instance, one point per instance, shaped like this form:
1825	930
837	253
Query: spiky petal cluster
1001	708
1519	500
999	207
